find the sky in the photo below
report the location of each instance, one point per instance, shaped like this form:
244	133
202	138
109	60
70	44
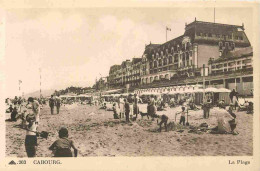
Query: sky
73	47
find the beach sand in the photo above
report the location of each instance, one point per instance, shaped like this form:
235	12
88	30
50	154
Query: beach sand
96	133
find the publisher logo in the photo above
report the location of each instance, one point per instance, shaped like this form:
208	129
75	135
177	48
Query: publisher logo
12	163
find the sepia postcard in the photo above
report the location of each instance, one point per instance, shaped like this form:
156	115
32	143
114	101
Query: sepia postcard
129	85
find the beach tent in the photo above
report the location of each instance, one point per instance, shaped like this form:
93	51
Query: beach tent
211	89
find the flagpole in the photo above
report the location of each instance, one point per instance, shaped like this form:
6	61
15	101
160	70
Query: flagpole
214	11
19	82
40	83
166	34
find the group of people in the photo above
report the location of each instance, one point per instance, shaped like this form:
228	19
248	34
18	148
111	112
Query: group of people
55	101
126	107
29	112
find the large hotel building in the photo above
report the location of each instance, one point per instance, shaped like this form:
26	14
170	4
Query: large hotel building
223	49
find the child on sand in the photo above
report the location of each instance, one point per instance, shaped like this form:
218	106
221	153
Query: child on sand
115	110
182	120
62	146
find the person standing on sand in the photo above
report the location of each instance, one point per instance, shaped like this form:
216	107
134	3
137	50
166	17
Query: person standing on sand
121	106
52	103
127	110
31	138
136	107
35	108
58	103
131	104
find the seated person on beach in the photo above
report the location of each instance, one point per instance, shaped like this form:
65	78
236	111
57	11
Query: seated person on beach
192	106
10	109
221	104
62	146
115	110
14	114
104	106
232	122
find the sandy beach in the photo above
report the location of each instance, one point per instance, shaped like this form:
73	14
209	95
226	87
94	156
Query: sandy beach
96	133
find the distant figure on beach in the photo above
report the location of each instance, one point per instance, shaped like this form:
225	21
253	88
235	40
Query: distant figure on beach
130	100
62	146
14	113
121	106
127	110
58	103
206	108
151	108
52	103
115	110
136	107
182	120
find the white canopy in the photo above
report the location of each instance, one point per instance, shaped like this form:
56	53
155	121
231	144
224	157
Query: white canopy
211	89
223	90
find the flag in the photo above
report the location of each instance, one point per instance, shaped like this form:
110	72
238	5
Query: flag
168	29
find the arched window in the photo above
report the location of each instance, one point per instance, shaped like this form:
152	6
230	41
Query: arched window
160	62
170	59
155	64
165	61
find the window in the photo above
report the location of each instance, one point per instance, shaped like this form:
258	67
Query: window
176	58
170	59
229	36
210	35
232	46
160	62
155	64
218	35
165	61
225	65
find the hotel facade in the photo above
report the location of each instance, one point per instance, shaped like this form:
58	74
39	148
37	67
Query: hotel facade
221	48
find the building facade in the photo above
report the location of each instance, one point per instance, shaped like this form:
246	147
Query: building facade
186	54
216	46
128	73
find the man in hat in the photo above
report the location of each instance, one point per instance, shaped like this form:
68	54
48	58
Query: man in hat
127	110
58	103
52	103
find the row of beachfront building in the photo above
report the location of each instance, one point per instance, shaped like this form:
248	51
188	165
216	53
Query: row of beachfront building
223	51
